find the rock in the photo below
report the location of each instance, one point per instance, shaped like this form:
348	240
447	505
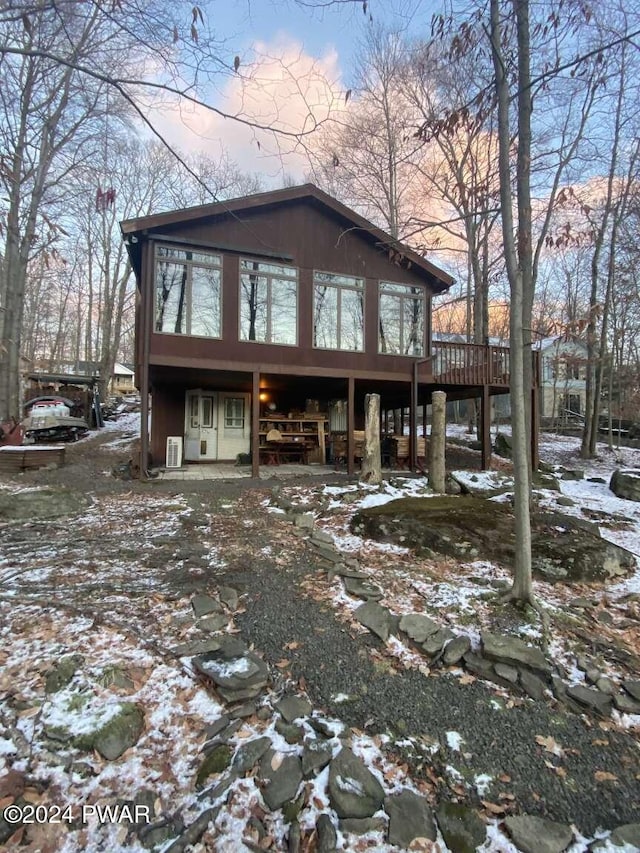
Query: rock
195	647
410	817
117	735
322	536
293	707
304	520
461	827
625	704
327	836
592	699
247	709
511	650
376	618
236	678
203	605
592	674
62	673
478	665
289	731
216	761
294	837
326	553
573	474
214	623
362	825
315	757
502	445
605	685
434	644
564	500
353	790
40	503
508	673
582	603
633	688
537	835
282	775
625	483
348	572
455	650
218	726
532	685
628	834
229	597
250	753
418	627
356	587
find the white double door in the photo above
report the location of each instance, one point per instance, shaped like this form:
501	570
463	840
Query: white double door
201	426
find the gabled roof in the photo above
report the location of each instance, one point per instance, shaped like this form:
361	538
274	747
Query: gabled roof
439	279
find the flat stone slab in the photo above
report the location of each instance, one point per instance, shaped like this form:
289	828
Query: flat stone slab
513	651
293	707
537	835
353	790
410	817
455	650
376	618
418	627
204	604
362	589
281	775
633	688
250	753
592	699
461	827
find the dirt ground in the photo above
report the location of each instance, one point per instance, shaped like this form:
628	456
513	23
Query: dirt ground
133	574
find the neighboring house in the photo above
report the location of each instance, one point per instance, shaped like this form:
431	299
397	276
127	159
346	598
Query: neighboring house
283	310
563	381
122	379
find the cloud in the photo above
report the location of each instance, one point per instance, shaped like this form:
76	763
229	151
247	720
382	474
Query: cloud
274	102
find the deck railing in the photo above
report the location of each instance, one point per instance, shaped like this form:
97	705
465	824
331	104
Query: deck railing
470	364
475	364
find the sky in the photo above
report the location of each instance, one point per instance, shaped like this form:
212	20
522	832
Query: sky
296	63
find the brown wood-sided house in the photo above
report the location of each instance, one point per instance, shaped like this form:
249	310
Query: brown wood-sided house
283	310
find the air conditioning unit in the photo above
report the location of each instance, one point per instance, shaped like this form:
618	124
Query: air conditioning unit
174	451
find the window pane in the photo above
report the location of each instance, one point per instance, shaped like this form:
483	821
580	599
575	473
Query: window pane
351	320
284	311
390	324
338	280
171	284
207	412
253	308
234	413
400	289
413	326
271	269
325	332
205	302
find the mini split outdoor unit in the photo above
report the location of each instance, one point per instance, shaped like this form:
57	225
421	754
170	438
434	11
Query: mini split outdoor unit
174	451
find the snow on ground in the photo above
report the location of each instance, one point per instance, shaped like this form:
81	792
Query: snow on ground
34	637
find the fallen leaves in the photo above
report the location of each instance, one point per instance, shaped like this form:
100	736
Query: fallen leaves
604	776
550	744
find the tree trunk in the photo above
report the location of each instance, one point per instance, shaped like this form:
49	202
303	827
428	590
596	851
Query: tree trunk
371	470
437	441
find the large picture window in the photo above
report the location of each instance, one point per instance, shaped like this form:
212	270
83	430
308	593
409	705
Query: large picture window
268	303
402	313
338	312
188	292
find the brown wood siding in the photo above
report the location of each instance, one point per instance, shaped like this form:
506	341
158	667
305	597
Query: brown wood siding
316	242
167	418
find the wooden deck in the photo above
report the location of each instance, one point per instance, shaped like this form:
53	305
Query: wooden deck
474	364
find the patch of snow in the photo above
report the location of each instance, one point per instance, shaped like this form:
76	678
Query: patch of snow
350	785
482	782
454	741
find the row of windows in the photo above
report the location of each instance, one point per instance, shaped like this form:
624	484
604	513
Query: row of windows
188	294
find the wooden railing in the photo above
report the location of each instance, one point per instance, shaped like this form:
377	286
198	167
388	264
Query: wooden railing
474	364
470	364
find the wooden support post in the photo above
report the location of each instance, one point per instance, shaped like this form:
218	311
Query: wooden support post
255	424
413	421
437	443
485	428
351	425
371	462
535	428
